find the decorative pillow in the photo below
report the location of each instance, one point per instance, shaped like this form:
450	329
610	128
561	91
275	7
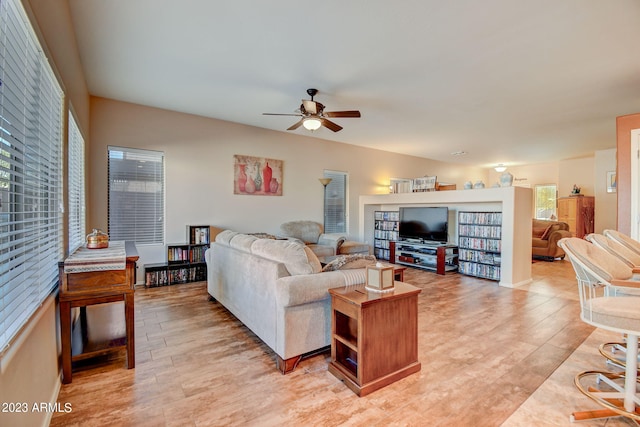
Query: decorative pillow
347	262
546	233
538	231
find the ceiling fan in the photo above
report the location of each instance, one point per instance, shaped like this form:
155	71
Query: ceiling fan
314	116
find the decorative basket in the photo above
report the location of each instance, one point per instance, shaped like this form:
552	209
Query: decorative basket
97	239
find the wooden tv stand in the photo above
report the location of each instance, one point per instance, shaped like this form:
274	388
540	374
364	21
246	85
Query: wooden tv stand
440	258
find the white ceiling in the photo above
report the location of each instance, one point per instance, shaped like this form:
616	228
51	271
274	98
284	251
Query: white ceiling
507	81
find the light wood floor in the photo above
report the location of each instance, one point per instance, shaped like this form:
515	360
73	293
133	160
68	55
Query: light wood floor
484	350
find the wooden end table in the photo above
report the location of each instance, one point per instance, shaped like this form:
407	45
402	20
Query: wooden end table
374	336
97	287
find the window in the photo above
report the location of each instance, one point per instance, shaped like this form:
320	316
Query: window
76	187
30	172
136	195
546	201
335	203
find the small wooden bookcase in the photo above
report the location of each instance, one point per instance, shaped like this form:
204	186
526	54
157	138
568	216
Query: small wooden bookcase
374	336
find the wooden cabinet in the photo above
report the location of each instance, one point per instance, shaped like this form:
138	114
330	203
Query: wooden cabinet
374	336
578	212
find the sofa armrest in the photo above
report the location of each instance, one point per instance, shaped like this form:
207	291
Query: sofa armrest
332	239
307	288
555	236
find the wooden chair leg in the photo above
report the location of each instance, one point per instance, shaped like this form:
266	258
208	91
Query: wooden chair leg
593	415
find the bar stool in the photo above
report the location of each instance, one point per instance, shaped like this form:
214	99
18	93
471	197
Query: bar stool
597	272
623	239
611	350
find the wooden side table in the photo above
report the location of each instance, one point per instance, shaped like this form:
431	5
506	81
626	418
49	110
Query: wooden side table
374	338
97	287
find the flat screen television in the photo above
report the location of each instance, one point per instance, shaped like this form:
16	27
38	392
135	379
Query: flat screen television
424	224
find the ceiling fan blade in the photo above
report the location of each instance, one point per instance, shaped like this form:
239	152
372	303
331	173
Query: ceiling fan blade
278	114
331	125
350	113
310	107
296	125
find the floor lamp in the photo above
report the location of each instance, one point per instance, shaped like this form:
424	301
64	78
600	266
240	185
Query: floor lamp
324	182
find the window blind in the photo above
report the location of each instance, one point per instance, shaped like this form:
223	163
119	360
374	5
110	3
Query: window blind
335	203
30	172
136	195
76	187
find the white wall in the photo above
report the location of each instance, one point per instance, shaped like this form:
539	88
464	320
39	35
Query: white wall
606	203
530	175
588	173
199	170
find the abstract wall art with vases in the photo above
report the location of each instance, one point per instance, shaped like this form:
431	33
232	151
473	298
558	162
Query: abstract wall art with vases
257	176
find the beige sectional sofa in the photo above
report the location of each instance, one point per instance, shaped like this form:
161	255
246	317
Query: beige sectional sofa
278	290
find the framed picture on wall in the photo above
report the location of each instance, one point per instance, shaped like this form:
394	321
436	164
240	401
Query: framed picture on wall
611	182
257	176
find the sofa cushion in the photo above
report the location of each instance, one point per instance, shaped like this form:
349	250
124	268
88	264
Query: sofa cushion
242	242
296	257
351	247
307	231
348	262
600	261
537	231
321	250
224	237
547	232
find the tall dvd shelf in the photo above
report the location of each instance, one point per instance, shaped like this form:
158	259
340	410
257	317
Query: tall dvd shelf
480	244
385	231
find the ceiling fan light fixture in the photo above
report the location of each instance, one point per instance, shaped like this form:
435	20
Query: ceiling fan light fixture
500	168
312	123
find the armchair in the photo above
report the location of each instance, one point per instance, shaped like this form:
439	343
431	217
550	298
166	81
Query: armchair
312	234
545	238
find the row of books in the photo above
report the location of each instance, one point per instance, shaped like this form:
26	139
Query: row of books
387	215
383	244
385	235
482	218
186	253
382	253
479	256
173	276
491	272
386	225
486	231
492	245
199	235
